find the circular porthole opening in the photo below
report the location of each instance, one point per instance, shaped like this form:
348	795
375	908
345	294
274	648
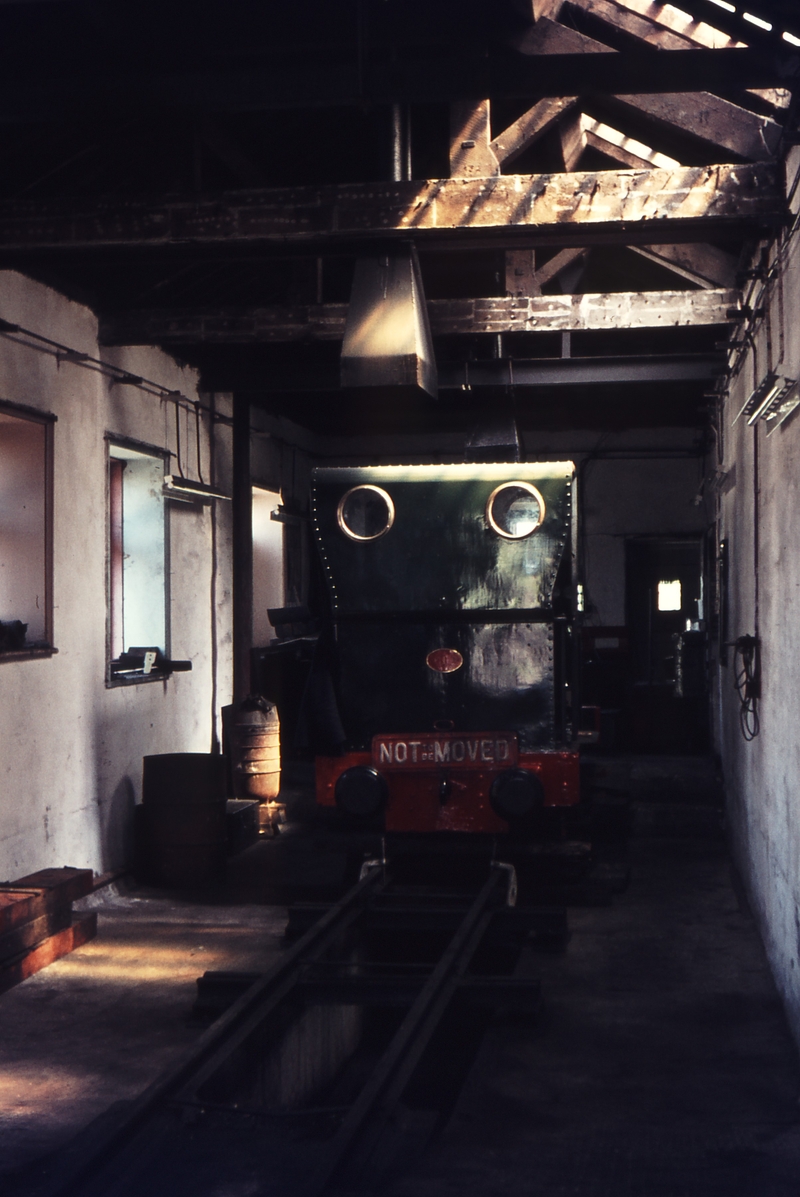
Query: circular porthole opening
515	510
365	512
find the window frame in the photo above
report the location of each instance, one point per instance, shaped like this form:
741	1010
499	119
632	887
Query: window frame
157	674
33	415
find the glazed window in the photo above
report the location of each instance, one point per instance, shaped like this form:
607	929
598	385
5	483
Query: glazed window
25	533
669	596
137	552
365	512
515	510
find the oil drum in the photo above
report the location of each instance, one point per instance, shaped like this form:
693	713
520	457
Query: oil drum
183	794
256	749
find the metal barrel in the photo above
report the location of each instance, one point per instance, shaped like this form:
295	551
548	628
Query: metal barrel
183	794
256	750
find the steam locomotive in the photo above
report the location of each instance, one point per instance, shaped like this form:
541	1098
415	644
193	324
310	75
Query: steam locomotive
451	602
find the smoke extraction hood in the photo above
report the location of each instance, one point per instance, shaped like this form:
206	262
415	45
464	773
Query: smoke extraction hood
495	438
387	338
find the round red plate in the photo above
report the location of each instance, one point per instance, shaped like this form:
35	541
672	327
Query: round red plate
444	660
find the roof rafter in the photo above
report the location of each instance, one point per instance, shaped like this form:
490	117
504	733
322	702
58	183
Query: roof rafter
668	28
698	114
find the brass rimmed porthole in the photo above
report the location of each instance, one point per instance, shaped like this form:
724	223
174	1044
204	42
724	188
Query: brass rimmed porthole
515	510
365	512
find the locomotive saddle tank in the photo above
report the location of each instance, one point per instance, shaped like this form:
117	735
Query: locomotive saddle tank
451	602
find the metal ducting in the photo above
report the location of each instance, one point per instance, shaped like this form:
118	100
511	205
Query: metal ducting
494	438
387	338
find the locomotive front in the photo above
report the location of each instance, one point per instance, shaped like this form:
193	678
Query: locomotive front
450	600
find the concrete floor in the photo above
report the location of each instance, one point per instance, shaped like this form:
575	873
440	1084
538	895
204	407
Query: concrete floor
99	1025
660	1065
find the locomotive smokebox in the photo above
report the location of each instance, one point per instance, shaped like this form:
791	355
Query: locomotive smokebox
387	337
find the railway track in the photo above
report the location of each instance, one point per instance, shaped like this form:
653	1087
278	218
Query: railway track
309	1083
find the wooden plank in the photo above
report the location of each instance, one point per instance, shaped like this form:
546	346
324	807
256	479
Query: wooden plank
704	265
40	894
587	133
19	906
716	121
657	24
573	142
69	883
83	928
669	28
699	114
653	204
521	272
577	313
560	261
32	932
461	317
528	128
471	154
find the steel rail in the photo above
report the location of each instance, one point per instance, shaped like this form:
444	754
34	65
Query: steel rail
394	1069
366	1119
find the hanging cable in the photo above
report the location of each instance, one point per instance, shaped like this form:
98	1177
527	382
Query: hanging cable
75	357
178	439
197	435
746	679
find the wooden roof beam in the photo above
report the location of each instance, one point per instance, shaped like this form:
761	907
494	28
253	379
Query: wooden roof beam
532	125
510	211
704	265
448	317
699	114
668	28
585	132
686	203
471	152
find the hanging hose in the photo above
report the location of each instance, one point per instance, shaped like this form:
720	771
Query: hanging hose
747	681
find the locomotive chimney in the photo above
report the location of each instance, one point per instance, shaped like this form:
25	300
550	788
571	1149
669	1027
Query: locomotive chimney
387	338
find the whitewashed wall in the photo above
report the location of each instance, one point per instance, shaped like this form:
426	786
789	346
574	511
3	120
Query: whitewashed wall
70	748
760	517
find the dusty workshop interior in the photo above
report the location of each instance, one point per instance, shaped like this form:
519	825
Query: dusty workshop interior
399	592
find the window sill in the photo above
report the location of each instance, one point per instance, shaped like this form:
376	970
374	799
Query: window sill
136	678
40	652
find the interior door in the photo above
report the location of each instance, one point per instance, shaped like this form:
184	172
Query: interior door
664	597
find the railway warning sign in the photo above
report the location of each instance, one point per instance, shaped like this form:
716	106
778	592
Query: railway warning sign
427	750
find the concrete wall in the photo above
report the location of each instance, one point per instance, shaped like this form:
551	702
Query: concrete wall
759	515
72	747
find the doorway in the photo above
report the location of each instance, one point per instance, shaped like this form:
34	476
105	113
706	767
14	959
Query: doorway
666	621
268	564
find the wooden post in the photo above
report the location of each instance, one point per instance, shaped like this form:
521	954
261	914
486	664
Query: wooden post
471	153
521	273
